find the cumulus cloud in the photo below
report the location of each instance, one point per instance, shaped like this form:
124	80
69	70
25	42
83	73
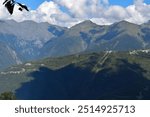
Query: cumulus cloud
99	11
139	12
138	2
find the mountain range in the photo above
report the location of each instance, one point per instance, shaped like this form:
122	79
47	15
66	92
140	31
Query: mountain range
85	61
28	40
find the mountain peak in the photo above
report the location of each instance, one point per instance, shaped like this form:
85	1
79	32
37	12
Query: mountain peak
85	25
87	22
123	22
29	21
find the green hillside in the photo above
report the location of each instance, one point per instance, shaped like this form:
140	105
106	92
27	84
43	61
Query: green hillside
105	75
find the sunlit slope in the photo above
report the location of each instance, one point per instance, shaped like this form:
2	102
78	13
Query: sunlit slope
106	75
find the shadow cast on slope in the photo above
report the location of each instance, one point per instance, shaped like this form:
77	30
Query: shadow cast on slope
70	82
126	82
65	83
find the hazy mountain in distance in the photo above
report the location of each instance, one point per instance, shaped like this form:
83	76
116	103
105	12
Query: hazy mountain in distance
32	41
145	29
88	36
28	30
75	40
27	37
8	56
121	36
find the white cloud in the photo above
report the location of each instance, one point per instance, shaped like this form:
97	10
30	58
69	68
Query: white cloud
106	2
3	12
83	8
99	11
138	2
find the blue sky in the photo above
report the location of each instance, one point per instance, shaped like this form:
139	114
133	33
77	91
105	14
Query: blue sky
33	4
125	2
70	12
121	2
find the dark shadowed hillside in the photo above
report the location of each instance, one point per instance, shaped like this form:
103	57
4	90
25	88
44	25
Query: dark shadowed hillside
121	75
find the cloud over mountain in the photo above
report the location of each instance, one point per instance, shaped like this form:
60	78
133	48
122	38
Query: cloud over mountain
70	12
